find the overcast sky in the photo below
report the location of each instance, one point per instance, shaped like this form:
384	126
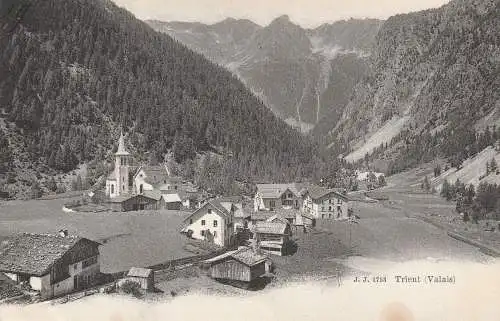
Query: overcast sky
305	12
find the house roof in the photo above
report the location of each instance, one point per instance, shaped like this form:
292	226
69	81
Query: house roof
171	198
271	227
34	254
216	205
139	272
317	192
244	255
276	190
154	174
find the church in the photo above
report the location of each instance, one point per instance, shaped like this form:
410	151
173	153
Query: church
150	188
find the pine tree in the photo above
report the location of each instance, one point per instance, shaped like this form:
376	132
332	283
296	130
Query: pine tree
445	190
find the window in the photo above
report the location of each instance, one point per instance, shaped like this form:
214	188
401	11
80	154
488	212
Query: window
123	187
88	262
203	233
141	188
190	221
215	234
209	211
202	222
329	208
339	209
75	267
322	208
215	223
112	189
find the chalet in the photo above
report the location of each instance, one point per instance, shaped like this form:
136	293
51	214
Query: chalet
212	222
272	237
323	203
144	277
240	267
270	197
53	265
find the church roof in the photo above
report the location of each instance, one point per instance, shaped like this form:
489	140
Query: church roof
121	146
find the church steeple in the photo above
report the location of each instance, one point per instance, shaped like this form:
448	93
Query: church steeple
121	146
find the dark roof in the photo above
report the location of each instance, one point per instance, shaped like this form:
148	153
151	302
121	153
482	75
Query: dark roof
34	254
156	195
248	257
231	199
276	190
317	192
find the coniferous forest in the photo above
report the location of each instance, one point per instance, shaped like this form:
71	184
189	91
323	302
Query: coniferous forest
74	73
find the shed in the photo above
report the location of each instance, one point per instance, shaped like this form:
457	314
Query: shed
171	202
145	277
242	265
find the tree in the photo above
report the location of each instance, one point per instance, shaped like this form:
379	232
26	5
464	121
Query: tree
445	190
52	185
381	181
36	190
426	185
437	170
493	166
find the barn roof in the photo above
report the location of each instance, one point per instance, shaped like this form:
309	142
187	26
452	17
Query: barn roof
276	190
34	254
244	255
156	195
171	198
139	272
248	257
271	227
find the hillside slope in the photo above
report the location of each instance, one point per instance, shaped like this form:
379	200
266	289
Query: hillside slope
74	73
436	73
303	75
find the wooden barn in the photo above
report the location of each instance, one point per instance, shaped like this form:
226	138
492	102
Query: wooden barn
171	202
241	267
133	203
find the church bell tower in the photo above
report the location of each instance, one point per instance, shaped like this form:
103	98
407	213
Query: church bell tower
122	159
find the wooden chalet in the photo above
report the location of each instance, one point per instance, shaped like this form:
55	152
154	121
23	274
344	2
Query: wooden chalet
273	237
242	267
52	265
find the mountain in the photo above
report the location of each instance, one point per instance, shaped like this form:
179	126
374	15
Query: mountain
74	73
432	89
303	75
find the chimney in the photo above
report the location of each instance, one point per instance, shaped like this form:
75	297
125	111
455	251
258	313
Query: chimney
63	233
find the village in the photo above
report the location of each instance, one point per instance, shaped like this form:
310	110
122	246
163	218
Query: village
236	240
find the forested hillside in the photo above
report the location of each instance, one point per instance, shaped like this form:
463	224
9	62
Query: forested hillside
432	90
74	73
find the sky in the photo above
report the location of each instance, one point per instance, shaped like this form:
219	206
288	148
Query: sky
308	13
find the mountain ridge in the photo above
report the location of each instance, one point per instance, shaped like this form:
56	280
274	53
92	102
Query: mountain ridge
287	66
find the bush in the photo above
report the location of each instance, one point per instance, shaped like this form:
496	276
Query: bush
132	288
